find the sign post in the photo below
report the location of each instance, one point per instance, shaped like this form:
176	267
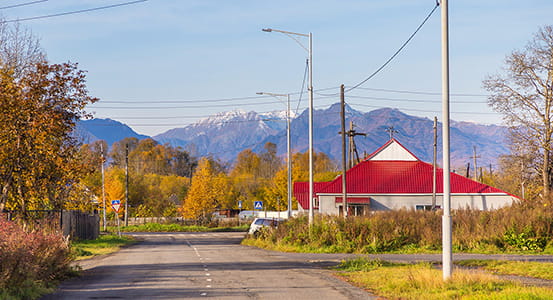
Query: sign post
258	205
116	205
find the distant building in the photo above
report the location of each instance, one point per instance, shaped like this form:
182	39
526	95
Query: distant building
393	178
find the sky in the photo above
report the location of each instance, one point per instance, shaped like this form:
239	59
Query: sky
163	64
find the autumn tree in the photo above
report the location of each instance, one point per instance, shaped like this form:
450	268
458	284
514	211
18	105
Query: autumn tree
38	112
246	178
210	190
19	49
523	94
324	168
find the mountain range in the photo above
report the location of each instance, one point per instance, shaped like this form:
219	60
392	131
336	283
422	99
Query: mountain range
226	134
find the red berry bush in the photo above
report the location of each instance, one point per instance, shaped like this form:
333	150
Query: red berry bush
31	261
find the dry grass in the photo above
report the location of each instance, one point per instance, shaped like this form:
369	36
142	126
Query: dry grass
422	281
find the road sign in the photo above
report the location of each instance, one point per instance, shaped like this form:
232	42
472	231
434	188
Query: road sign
116	204
258	205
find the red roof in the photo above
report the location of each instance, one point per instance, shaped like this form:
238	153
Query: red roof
401	177
301	191
392	177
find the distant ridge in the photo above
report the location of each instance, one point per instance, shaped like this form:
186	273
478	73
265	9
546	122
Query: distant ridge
224	135
109	130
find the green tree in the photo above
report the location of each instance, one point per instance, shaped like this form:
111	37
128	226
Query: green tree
523	94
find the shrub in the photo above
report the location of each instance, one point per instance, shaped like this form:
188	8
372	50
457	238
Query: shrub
522	227
31	261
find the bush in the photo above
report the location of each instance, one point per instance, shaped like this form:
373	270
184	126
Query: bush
525	228
31	262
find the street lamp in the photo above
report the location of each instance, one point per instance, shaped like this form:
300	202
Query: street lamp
310	89
288	148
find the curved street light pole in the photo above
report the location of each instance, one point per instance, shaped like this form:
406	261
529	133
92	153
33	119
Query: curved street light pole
288	148
310	89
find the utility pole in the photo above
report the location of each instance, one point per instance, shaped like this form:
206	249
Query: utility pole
103	185
391	130
126	184
435	127
447	254
474	156
344	165
353	154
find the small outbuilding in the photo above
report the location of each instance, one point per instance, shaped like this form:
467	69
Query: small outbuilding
393	178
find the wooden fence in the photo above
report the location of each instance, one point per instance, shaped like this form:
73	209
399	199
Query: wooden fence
72	223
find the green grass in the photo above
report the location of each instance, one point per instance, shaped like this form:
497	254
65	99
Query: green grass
156	227
105	244
423	281
541	270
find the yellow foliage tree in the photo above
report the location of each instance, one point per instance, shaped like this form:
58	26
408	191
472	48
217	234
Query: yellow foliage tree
115	186
209	190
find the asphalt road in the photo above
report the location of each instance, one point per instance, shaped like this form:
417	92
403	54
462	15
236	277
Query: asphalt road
205	265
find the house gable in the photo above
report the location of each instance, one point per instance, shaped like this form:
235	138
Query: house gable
392	150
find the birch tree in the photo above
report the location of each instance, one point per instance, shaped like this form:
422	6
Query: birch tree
523	94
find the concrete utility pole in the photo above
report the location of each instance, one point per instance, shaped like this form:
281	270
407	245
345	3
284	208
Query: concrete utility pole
103	186
474	156
434	156
344	164
126	184
447	256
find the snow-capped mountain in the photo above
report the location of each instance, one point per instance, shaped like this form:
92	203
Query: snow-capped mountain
224	135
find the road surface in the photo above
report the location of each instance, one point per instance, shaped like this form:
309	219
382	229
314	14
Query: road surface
204	265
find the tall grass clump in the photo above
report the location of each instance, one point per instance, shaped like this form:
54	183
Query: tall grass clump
520	228
31	261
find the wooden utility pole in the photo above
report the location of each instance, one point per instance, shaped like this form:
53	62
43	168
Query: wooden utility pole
434	163
344	164
353	154
391	130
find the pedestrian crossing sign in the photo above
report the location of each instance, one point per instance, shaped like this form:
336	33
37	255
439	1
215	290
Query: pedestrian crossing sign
258	205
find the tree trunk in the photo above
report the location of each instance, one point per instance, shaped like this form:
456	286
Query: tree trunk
546	174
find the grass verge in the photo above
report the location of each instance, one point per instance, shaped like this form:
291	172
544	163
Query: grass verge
105	244
156	227
521	268
423	281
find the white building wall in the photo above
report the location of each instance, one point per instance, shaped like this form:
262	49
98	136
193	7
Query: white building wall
392	202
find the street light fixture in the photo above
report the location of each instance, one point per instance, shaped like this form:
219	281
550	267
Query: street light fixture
310	89
288	148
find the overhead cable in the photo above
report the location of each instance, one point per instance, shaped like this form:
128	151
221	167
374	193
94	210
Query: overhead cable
23	4
396	53
74	12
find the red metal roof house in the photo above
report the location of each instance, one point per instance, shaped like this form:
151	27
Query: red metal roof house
393	178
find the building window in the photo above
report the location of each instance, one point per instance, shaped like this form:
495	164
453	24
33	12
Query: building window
358	209
426	207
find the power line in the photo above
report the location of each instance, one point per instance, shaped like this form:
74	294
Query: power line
177	101
75	11
22	4
426	110
397	52
176	107
420	92
413	100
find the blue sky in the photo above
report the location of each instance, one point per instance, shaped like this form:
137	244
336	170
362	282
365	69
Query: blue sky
162	64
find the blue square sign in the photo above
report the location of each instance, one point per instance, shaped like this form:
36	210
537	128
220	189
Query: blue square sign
258	205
